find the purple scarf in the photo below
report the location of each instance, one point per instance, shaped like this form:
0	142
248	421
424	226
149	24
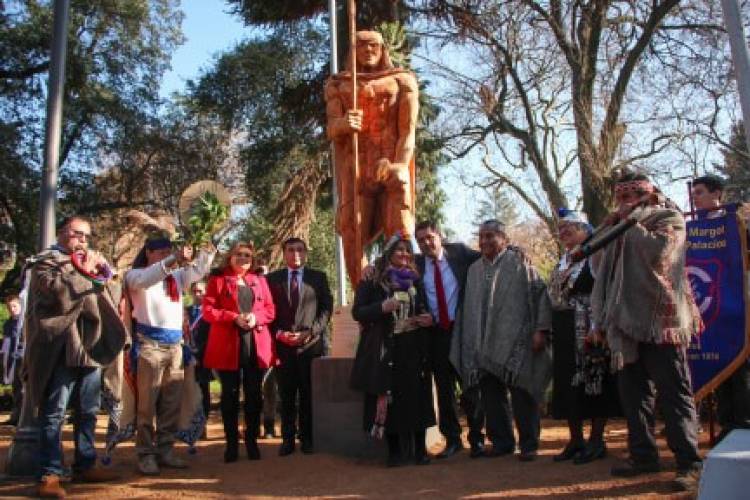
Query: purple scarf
401	279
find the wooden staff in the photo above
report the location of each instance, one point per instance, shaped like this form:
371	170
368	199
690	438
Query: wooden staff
355	135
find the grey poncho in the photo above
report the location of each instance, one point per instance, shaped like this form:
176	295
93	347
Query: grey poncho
505	303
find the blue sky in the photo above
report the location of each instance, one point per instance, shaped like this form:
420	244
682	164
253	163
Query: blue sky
208	30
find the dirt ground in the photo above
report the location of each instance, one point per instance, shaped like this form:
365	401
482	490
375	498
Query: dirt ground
325	476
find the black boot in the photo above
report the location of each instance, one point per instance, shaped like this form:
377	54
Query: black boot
251	446
420	451
230	452
395	457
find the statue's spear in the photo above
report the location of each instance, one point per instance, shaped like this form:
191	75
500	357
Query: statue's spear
355	138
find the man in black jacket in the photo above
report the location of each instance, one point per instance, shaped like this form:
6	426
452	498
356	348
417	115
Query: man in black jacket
303	309
443	267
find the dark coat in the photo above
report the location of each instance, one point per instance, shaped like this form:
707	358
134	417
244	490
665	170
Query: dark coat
387	362
313	312
67	316
459	257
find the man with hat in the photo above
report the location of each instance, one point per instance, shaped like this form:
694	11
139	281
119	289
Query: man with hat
643	303
155	288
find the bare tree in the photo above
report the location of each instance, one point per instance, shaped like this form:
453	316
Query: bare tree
571	90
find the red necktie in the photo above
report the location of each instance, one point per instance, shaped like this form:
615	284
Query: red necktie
444	320
294	291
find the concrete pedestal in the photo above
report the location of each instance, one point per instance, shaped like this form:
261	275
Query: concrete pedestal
337	410
726	469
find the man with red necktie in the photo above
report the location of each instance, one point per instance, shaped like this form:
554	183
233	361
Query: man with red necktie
443	267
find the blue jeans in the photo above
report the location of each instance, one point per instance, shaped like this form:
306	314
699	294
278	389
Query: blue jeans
84	386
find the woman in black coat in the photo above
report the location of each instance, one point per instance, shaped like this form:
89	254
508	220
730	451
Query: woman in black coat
584	387
391	365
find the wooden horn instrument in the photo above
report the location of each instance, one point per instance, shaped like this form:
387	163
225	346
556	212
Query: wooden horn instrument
606	233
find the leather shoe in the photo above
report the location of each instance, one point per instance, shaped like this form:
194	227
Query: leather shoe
253	452
571	450
593	451
286	448
477	450
687	479
230	454
631	468
95	475
527	456
306	447
395	460
451	448
49	487
170	460
422	460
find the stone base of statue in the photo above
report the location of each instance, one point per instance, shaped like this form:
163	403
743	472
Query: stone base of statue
23	454
337	410
726	468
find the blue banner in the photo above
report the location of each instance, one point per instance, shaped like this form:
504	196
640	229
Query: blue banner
716	253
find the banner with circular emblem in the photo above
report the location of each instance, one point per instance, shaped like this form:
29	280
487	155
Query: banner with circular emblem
717	264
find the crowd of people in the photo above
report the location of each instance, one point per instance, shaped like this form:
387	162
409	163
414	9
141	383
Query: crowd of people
610	330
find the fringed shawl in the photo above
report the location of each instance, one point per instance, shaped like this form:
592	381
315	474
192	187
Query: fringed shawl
517	307
641	292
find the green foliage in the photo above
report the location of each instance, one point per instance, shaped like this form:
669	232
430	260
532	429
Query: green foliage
117	53
207	216
497	204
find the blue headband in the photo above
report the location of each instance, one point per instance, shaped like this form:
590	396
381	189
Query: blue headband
158	244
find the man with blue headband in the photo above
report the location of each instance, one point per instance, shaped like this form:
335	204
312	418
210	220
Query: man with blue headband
155	287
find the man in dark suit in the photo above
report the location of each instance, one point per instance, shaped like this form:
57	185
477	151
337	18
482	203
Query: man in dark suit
303	309
443	267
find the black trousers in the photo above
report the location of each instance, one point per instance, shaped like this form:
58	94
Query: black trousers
251	379
294	381
500	415
733	401
203	377
446	381
664	367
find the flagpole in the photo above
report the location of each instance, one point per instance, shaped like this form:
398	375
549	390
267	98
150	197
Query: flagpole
338	244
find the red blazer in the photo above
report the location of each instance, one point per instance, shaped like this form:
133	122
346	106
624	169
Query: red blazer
221	307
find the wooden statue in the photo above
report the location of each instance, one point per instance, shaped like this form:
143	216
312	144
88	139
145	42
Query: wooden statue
376	187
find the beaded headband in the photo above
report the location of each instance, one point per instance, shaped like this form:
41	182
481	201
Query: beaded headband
639	186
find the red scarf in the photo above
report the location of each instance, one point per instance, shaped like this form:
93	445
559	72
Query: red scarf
172	290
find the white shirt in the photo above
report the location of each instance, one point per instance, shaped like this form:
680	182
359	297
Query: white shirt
450	285
151	303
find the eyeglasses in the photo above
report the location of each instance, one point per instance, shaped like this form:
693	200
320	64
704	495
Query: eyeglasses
81	235
244	255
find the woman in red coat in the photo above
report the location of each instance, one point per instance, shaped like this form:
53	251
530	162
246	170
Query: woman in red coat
239	307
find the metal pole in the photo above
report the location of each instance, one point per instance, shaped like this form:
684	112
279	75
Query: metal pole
740	57
340	264
54	125
23	459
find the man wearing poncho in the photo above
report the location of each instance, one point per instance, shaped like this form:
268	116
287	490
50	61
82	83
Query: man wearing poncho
642	301
499	343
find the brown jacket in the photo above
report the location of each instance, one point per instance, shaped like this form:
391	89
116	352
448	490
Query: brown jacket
68	316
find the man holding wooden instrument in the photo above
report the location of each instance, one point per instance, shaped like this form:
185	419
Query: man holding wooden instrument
643	303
